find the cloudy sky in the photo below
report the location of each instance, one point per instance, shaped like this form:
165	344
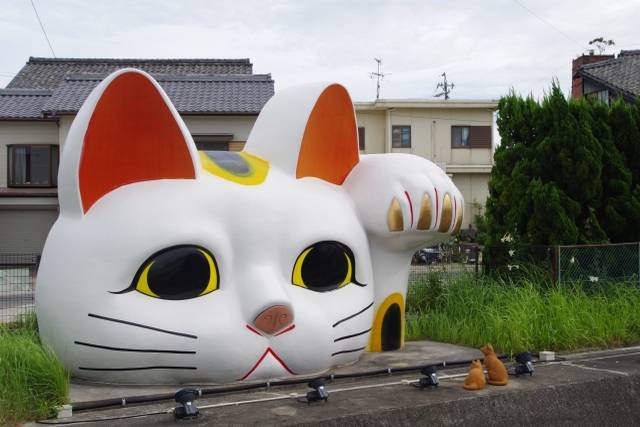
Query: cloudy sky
486	47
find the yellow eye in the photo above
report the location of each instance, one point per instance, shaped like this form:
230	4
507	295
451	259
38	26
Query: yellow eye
324	266
180	272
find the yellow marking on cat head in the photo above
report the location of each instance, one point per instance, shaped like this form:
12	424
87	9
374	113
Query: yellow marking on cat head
241	168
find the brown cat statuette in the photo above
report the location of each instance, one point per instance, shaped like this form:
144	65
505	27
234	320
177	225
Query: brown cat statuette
475	379
498	374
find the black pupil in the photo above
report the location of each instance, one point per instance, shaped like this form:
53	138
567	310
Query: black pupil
325	266
179	273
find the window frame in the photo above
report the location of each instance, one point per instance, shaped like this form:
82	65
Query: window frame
53	169
401	127
460	146
361	141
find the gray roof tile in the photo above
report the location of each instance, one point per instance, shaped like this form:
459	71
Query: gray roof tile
46	87
48	73
20	104
194	94
621	74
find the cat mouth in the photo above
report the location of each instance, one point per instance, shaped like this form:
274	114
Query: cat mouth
269	364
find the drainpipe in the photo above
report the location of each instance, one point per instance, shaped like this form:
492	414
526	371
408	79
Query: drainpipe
387	140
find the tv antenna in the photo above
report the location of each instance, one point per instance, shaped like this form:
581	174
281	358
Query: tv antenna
379	75
446	88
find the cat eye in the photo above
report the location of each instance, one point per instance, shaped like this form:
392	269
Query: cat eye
178	273
324	266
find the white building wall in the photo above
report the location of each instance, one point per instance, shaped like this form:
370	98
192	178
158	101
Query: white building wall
374	124
22	132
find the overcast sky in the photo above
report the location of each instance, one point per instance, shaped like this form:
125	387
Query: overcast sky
486	47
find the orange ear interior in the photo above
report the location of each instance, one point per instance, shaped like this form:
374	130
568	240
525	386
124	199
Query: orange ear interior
132	136
329	147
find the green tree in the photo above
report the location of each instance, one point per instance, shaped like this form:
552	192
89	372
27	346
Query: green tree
545	187
619	212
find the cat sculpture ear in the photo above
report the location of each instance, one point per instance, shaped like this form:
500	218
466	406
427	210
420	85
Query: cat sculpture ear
127	131
308	131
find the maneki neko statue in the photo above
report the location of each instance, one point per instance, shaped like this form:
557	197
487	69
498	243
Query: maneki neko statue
170	265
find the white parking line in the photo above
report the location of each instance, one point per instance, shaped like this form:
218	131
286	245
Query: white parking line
590	368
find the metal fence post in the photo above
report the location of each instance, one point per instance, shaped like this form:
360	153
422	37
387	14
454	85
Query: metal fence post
555	264
477	250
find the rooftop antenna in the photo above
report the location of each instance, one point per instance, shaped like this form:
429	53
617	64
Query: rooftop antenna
379	75
446	88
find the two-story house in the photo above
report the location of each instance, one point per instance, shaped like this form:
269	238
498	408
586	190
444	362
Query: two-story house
219	100
607	77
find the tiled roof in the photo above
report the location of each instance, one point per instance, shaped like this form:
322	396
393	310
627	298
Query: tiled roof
20	104
47	87
48	73
621	74
191	94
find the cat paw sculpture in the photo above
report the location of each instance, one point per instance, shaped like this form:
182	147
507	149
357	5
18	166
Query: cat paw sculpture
170	265
496	370
475	379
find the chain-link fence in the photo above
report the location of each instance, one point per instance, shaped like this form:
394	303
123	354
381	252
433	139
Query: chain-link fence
551	264
599	263
17	285
446	260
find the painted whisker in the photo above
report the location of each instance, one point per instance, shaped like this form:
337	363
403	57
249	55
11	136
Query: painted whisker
353	315
135	350
348	351
140	368
352	335
140	325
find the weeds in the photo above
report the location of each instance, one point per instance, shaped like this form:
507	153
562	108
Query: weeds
527	314
32	380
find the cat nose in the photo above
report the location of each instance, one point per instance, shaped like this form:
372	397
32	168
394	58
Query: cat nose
273	319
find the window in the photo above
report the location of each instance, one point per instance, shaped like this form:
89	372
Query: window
460	136
470	136
212	141
33	166
361	138
401	136
601	95
212	146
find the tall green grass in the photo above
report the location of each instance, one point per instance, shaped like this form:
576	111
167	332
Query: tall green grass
527	314
32	380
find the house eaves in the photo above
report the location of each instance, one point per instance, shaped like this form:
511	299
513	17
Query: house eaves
386	104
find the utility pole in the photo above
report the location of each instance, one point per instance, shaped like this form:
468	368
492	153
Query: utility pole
446	88
379	75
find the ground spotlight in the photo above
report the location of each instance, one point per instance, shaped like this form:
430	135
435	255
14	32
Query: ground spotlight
430	378
319	391
187	409
524	364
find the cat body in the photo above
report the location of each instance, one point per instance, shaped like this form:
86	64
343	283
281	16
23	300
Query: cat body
475	379
169	265
496	370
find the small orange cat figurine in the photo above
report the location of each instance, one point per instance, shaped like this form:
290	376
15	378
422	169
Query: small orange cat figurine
495	368
475	380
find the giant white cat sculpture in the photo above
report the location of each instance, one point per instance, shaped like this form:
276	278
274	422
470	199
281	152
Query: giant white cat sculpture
169	265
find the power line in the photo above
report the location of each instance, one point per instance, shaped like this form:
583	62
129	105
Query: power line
550	25
42	27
